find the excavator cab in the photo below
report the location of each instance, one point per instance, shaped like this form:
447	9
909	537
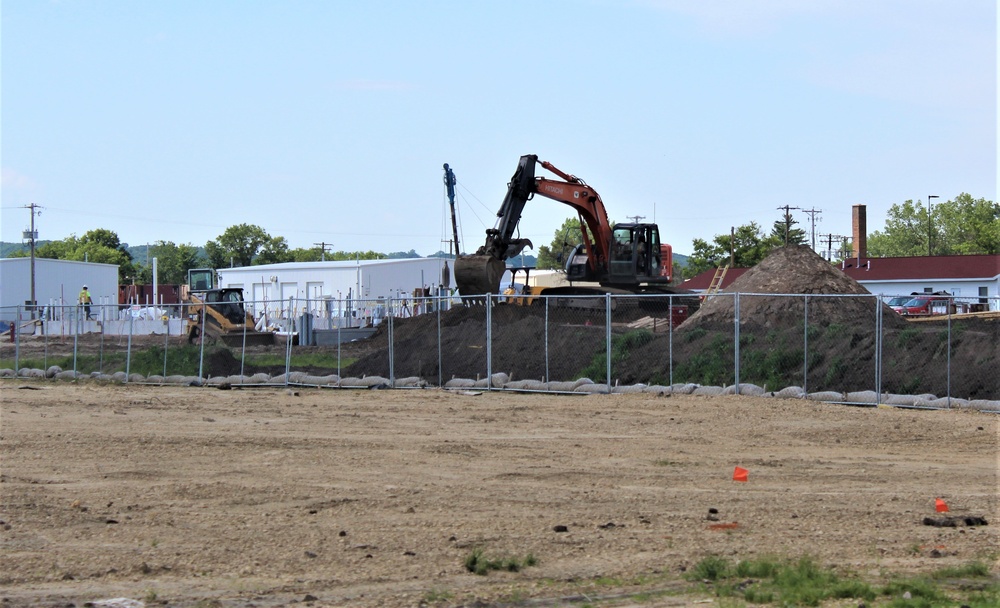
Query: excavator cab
635	254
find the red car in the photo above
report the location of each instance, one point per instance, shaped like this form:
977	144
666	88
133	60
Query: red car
926	305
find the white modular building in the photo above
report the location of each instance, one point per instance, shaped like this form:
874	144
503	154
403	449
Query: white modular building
57	283
341	289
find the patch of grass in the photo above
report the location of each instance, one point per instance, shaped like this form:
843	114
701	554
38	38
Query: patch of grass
835	331
772	367
319	360
621	348
711	568
975	569
835	371
695	334
906	336
712	365
476	562
767	580
436	596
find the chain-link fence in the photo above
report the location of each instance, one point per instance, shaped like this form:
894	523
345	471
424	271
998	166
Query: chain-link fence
847	348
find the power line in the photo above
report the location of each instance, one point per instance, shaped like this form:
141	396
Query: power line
323	246
788	219
812	220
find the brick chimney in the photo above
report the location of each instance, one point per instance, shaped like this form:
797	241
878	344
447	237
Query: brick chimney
860	232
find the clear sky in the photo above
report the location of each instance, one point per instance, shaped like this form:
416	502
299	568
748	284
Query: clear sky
329	121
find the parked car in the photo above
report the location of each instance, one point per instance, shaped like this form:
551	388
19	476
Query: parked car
897	303
926	305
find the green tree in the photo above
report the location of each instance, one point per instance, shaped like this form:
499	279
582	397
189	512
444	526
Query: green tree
99	246
906	232
313	254
966	226
274	251
956	227
172	263
568	236
796	236
237	246
748	243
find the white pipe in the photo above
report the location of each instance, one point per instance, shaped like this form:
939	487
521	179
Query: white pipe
155	285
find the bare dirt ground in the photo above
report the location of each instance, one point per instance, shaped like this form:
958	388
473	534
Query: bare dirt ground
267	497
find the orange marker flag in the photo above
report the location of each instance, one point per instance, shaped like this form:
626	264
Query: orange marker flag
940	505
740	474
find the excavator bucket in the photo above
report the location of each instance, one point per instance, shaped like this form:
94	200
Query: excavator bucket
476	275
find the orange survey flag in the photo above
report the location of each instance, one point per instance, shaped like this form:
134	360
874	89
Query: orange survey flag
940	505
740	474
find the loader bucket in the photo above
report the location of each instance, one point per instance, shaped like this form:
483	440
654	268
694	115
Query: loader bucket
476	275
253	338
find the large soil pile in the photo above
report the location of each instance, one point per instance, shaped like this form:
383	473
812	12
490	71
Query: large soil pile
793	270
831	345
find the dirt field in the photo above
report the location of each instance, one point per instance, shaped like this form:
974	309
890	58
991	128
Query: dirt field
265	497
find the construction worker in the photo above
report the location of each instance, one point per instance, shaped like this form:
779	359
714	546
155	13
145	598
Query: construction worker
85	301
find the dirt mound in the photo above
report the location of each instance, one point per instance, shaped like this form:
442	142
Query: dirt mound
792	270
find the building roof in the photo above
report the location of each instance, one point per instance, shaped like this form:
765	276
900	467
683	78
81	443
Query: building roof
953	267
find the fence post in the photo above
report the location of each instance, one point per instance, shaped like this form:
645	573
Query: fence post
128	349
440	361
489	341
166	343
951	302
607	336
392	348
76	339
17	340
201	351
340	325
670	340
736	341
879	330
100	362
805	344
545	299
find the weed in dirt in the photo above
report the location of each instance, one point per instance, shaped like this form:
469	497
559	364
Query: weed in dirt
974	569
621	347
711	365
771	367
836	331
436	596
906	336
478	563
835	370
314	360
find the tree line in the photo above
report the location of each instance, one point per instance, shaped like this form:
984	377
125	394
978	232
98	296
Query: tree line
961	226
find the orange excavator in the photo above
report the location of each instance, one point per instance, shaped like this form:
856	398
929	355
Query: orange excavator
625	258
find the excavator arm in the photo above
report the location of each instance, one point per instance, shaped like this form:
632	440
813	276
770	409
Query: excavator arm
481	273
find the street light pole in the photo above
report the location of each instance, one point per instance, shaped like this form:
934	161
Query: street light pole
929	229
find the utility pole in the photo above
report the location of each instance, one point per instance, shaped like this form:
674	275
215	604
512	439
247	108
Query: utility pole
323	246
929	229
449	182
829	243
788	220
635	218
32	236
812	222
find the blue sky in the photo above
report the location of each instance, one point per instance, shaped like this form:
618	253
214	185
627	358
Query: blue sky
330	121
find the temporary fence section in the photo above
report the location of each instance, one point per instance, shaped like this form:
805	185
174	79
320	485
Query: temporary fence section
847	348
